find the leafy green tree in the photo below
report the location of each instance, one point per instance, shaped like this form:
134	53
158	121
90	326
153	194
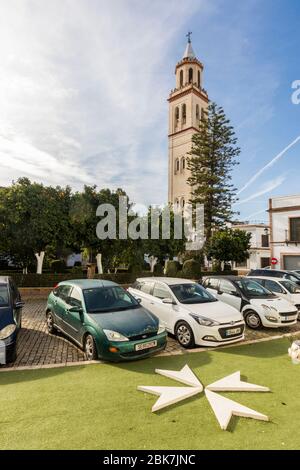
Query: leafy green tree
212	158
159	249
84	222
229	245
33	218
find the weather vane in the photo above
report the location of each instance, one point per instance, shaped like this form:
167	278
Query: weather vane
188	35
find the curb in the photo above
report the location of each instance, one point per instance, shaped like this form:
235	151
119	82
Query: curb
163	354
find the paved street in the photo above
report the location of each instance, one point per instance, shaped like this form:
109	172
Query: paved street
36	347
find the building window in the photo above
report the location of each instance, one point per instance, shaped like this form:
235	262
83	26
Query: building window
265	241
181	78
202	114
199	80
182	164
183	111
264	262
190	75
176	114
176	165
295	229
197	112
182	202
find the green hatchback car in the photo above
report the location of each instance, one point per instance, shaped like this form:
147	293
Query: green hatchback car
105	320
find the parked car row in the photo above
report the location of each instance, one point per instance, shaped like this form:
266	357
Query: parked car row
115	324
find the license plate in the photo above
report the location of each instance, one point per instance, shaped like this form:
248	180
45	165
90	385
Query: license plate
142	346
291	317
2	354
233	331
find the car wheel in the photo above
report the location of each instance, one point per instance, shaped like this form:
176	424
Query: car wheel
50	323
253	320
185	335
90	349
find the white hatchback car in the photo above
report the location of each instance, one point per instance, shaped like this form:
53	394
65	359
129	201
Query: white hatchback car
189	312
283	288
258	305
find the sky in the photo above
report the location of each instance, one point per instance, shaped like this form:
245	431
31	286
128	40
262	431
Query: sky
84	87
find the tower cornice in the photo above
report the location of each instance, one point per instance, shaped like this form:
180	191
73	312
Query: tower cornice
189	60
184	130
178	93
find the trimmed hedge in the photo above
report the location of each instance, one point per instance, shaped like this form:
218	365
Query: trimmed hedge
191	269
172	268
50	280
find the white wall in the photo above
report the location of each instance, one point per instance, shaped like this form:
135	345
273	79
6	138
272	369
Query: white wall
280	228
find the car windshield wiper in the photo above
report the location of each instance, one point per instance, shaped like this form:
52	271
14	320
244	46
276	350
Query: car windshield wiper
112	309
194	301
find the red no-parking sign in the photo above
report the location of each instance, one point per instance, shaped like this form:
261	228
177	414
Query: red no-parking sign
274	261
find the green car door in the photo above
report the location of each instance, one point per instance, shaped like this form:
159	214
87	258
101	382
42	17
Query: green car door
73	315
61	295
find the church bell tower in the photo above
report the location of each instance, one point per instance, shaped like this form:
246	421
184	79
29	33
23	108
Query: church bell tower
187	102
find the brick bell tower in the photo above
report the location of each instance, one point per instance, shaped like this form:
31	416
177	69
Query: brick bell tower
187	103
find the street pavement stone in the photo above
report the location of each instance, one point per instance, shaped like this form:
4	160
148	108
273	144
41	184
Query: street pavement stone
36	347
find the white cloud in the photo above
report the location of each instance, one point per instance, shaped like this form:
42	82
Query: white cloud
266	188
83	96
269	164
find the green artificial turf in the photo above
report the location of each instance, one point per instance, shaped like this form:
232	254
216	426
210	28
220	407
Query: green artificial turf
98	406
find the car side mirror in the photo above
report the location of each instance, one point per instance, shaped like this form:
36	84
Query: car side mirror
139	301
75	309
234	292
168	301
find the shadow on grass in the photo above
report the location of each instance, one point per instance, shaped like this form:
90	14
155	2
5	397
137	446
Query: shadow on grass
176	362
21	376
264	349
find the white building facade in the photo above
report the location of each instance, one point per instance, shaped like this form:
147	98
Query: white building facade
284	216
260	253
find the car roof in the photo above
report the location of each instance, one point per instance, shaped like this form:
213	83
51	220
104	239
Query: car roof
167	280
284	271
89	283
270	278
230	277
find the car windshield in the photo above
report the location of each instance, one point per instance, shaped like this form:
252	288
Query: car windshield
108	299
291	287
253	289
3	295
293	277
192	294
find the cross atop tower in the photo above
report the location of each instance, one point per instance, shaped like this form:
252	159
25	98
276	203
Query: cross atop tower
188	35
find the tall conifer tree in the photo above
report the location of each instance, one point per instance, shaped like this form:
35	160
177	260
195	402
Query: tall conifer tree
212	158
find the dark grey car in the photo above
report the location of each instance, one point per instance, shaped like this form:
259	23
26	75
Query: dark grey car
10	319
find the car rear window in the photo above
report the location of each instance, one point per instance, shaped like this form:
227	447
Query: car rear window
3	295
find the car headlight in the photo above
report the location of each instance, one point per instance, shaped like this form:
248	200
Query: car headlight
7	331
114	336
161	329
269	309
203	320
